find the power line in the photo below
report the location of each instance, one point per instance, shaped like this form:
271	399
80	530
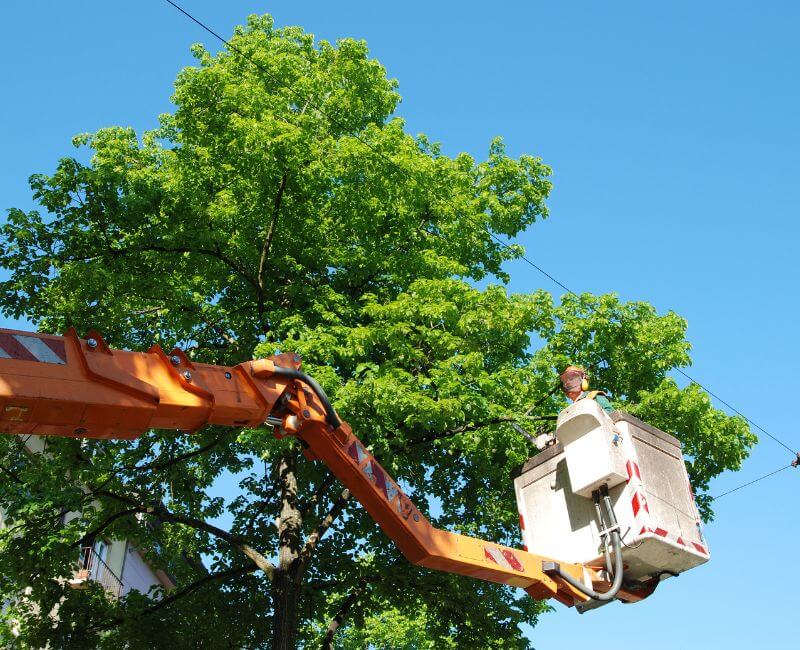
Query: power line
760	478
686	375
406	173
288	87
536	266
738	412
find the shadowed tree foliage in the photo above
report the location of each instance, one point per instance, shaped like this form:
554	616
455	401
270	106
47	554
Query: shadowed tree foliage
286	208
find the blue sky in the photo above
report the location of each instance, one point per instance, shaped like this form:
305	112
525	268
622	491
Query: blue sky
672	131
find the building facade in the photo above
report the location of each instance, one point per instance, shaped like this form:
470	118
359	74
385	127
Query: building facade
115	564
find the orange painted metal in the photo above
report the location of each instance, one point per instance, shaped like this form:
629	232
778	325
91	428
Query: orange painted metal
97	392
414	535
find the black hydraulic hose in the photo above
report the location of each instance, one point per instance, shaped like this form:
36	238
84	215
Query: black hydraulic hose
618	564
330	415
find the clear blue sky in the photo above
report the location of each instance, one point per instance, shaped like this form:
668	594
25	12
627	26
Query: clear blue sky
673	132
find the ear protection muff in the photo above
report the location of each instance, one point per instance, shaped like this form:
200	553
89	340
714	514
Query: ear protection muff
584	383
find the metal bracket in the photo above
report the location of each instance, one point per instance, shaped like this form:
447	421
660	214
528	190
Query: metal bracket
98	363
606	531
184	377
550	568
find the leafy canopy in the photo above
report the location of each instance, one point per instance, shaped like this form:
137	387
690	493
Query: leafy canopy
290	210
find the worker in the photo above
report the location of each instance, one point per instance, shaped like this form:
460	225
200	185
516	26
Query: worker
576	386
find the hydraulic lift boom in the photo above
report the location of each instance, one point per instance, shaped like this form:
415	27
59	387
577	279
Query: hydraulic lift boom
70	386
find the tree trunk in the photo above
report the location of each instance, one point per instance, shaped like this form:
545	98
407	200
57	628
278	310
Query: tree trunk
285	597
286	583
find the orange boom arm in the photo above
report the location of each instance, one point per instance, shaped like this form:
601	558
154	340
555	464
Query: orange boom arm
68	386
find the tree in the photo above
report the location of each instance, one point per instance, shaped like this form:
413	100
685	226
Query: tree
283	206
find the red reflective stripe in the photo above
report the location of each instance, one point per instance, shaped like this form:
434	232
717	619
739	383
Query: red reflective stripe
57	347
663	533
521	521
512	560
14	348
635	503
633	468
504	557
379	477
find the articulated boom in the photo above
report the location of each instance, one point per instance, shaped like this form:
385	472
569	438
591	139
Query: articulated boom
69	386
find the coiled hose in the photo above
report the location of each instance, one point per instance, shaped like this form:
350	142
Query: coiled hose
330	415
618	564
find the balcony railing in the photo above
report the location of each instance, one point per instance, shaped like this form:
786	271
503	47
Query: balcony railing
92	567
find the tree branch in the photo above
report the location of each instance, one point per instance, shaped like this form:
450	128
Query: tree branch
265	249
176	595
313	539
319	585
215	253
449	433
161	512
106	523
179	459
13	476
323	487
190	589
344	609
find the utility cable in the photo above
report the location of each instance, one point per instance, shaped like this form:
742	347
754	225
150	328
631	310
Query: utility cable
407	173
738	412
300	99
682	372
749	483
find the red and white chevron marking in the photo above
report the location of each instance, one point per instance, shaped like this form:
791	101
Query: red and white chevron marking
503	557
641	511
32	348
677	539
522	528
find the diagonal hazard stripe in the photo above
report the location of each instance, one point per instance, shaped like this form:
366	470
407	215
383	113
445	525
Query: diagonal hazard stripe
58	348
504	557
39	349
512	560
31	348
379	477
14	348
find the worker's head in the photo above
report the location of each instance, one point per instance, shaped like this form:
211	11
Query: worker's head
573	381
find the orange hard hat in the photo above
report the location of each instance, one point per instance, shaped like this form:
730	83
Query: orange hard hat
573	369
573	378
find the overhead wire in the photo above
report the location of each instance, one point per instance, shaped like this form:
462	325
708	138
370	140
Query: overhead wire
749	483
737	411
407	173
679	370
286	86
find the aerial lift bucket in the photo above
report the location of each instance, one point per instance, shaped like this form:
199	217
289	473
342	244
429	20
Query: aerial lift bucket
642	469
